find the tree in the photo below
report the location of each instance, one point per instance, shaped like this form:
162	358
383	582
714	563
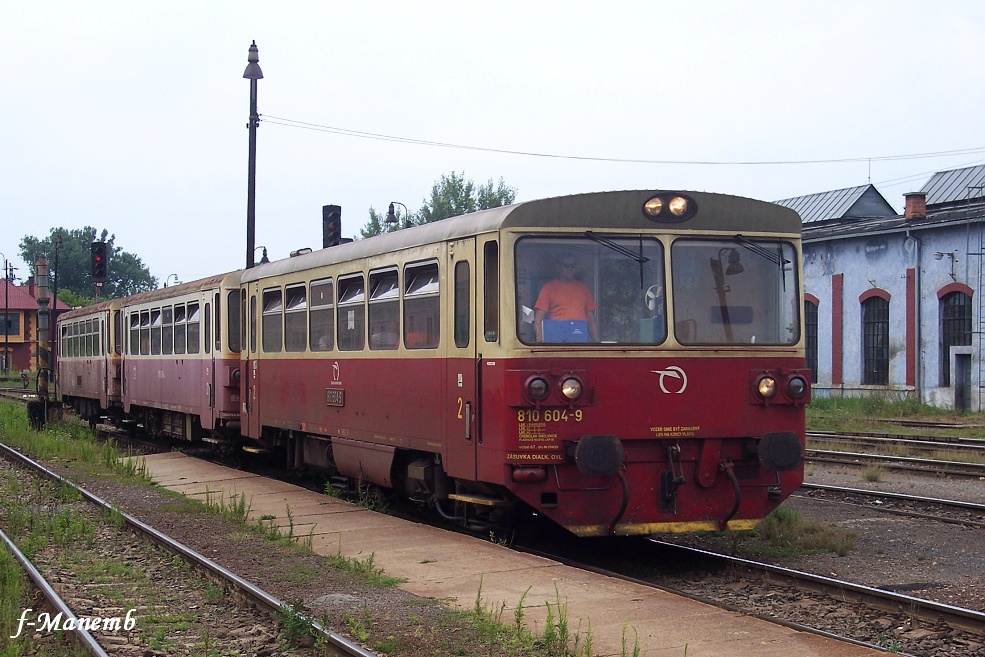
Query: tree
451	195
126	273
376	225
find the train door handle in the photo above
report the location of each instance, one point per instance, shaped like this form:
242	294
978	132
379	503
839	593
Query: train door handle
468	420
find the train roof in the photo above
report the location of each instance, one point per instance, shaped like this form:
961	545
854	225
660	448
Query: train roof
598	211
152	295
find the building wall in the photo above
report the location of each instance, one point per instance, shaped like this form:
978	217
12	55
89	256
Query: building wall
903	267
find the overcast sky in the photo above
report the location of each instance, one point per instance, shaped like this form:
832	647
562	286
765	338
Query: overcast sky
131	116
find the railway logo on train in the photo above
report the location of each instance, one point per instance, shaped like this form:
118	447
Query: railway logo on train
496	366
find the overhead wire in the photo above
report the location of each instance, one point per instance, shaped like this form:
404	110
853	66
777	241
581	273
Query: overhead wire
276	120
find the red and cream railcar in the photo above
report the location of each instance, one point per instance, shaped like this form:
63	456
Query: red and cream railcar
428	361
181	359
89	359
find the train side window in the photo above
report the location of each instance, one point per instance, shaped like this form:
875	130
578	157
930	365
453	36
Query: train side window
144	334
490	252
422	307
180	334
352	312
134	346
463	311
85	337
117	333
273	320
155	332
296	318
322	315
167	330
253	323
207	330
384	309
234	323
192	324
217	314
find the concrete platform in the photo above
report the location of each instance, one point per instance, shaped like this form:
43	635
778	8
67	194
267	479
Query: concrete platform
455	568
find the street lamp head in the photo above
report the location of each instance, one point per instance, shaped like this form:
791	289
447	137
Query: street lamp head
253	71
391	217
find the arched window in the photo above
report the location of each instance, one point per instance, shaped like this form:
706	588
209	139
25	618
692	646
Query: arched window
955	329
810	336
875	341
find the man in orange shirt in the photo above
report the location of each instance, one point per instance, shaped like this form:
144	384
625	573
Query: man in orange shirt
565	298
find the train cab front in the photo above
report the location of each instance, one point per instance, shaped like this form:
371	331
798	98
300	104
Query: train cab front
674	401
599	468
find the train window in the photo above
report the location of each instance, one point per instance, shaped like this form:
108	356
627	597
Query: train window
490	288
167	330
422	307
296	318
384	309
273	320
234	322
192	324
155	332
253	323
144	334
352	312
735	291
134	333
117	332
88	337
322	315
207	331
573	290
179	329
463	310
218	321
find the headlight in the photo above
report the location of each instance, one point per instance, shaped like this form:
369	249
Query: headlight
678	206
538	388
654	206
797	386
571	388
766	387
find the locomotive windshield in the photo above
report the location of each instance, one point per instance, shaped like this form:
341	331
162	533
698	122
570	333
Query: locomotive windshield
735	291
611	290
590	289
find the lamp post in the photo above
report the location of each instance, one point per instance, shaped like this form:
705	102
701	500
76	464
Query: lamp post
391	218
176	281
252	73
6	317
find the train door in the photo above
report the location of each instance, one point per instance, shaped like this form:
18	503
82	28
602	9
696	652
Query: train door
248	371
460	427
211	305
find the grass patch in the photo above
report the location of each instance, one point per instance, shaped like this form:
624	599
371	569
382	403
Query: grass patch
787	533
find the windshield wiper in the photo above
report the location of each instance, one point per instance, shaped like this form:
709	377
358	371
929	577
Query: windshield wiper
619	248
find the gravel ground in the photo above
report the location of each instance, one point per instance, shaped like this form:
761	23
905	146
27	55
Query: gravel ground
925	559
383	619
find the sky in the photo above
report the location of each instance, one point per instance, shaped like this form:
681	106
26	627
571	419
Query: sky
132	116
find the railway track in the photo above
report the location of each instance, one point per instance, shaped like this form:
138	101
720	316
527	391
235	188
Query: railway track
804	601
969	514
907	445
169	565
902	463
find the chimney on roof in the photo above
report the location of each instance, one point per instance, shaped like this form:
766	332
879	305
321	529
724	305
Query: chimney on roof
916	205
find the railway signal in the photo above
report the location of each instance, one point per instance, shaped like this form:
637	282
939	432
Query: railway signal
331	218
98	262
